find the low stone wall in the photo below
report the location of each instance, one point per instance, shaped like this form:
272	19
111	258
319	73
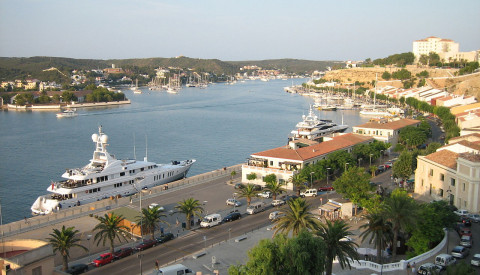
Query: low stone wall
22	226
97	104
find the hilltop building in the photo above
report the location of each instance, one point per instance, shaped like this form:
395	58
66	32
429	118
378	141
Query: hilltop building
452	173
447	49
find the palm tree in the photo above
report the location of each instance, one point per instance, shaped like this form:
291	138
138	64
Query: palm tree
248	191
151	219
378	228
297	217
190	207
334	234
62	241
109	228
275	188
400	210
297	180
373	169
232	174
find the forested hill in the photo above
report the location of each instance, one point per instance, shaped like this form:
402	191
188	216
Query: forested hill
33	67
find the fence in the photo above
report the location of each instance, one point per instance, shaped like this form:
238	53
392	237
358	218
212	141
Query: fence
108	204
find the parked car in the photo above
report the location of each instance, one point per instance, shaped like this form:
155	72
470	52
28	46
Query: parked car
77	269
290	197
465	231
239	186
461	212
444	260
475	260
257	187
466	221
265	194
145	244
232	217
122	253
474	217
381	169
278	202
103	259
460	252
309	193
275	215
165	238
233	202
466	241
388	164
325	188
152	205
429	269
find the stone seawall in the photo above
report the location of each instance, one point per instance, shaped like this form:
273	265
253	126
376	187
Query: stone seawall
97	104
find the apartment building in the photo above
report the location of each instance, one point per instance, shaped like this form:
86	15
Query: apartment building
383	130
447	49
452	174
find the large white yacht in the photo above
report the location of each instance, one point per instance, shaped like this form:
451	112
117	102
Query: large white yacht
313	128
106	177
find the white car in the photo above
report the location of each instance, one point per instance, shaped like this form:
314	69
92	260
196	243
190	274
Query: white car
474	217
278	202
461	212
309	193
152	205
233	202
265	194
475	260
275	215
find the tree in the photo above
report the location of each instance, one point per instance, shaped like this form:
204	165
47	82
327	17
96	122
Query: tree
354	185
251	176
400	210
282	255
298	181
378	229
190	207
233	174
372	169
414	136
402	168
110	228
248	191
62	241
273	186
151	219
334	234
461	268
297	217
68	97
386	75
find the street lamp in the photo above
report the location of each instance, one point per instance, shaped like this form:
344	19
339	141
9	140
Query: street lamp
234	201
311	178
137	180
360	159
381	151
88	239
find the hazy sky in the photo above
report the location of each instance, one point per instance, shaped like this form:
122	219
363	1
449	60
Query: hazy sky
232	30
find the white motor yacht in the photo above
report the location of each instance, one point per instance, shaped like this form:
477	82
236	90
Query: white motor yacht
106	177
313	128
68	113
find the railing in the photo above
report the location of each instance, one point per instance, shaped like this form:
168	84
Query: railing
108	204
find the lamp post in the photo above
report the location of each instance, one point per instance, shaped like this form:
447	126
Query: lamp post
360	159
88	239
381	154
371	159
234	201
311	178
137	180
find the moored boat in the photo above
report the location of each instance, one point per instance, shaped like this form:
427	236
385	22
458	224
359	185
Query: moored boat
68	113
105	177
313	128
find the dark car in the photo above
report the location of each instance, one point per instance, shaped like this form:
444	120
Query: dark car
104	259
145	244
122	253
466	221
165	238
429	269
77	269
325	188
381	169
465	231
232	217
239	186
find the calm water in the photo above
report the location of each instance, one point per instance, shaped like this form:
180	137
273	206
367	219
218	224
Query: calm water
219	126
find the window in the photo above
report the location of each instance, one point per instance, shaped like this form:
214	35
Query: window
442	177
464	186
422	182
440	192
431	172
37	270
122	174
452	182
271	163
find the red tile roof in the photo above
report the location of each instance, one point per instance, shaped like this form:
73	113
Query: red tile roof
464	137
305	153
394	125
444	157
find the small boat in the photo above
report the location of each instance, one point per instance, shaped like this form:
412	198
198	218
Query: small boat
68	113
137	90
327	108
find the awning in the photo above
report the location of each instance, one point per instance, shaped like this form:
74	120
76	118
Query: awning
329	207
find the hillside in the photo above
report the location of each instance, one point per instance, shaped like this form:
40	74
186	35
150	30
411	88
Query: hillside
290	65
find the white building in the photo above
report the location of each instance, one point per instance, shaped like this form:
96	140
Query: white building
386	131
447	49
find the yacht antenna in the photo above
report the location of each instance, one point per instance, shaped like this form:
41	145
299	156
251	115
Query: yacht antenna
134	152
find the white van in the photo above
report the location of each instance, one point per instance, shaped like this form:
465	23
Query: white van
255	208
211	220
177	269
309	193
444	260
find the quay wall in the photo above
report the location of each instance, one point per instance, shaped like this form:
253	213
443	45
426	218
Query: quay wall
94	208
97	104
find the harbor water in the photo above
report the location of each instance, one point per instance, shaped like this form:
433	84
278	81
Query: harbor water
218	126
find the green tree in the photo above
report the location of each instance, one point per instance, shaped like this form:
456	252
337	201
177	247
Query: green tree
402	168
233	174
372	170
461	268
62	241
298	182
110	228
273	186
400	210
151	219
68	97
354	185
248	191
402	74
337	246
251	176
190	207
297	217
377	229
386	75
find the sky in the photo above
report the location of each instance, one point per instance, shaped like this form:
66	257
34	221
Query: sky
232	30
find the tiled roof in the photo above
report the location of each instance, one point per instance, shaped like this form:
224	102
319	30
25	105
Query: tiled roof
444	157
475	136
394	125
305	153
469	144
470	156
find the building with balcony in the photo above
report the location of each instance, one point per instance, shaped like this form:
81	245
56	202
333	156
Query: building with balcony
386	131
286	161
452	174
